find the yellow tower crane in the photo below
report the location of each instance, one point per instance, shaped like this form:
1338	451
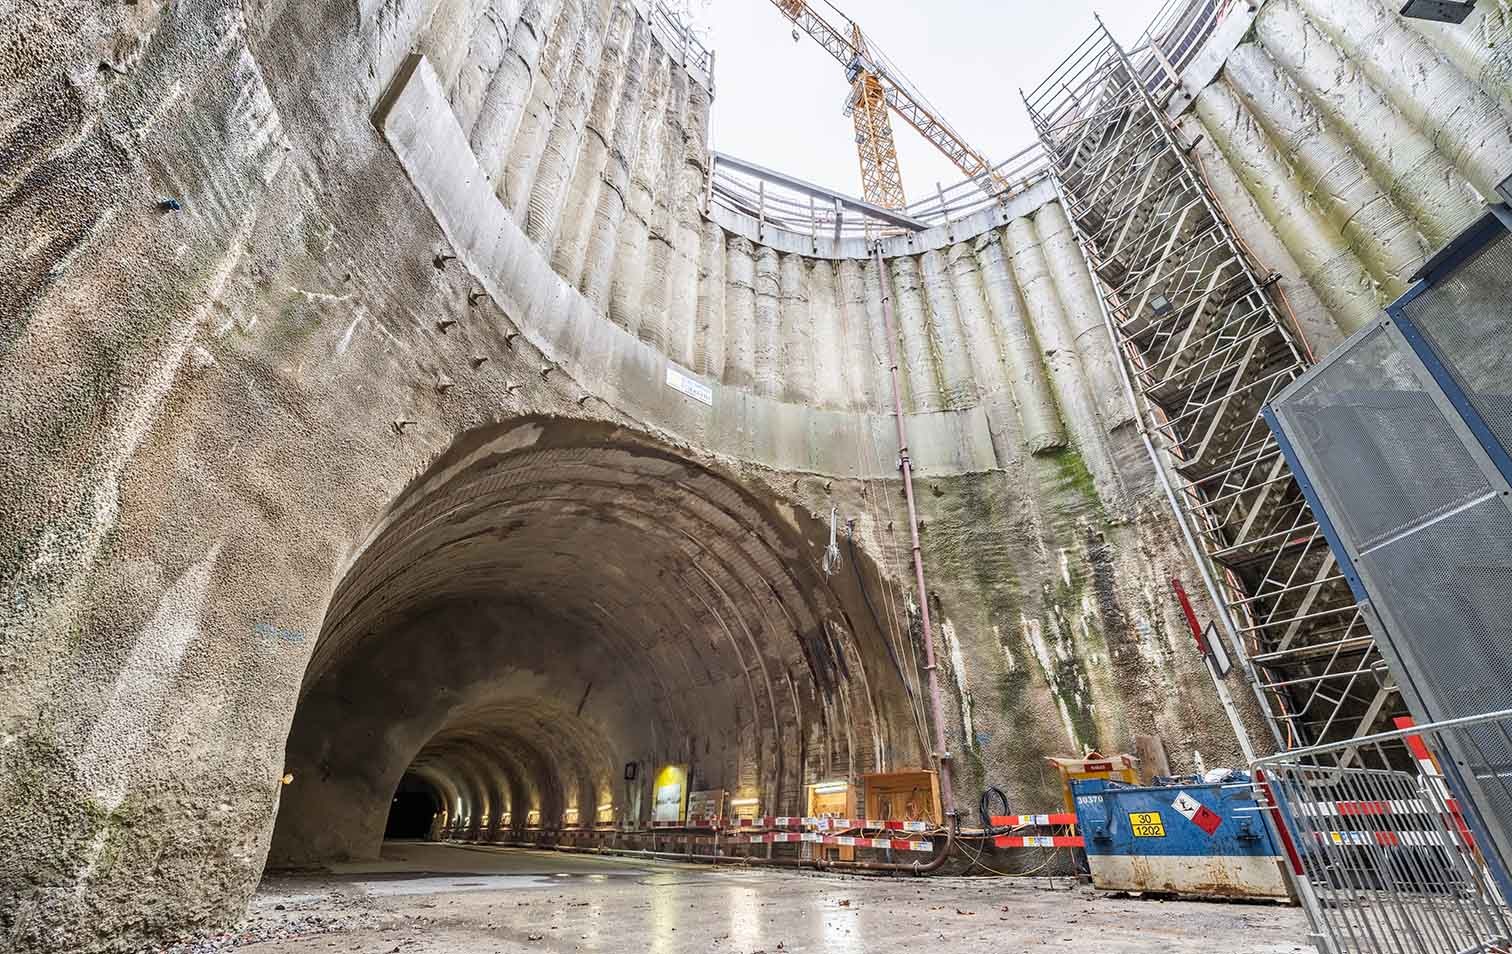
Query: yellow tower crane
876	89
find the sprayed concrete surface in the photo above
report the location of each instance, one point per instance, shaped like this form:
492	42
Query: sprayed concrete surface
423	898
433	426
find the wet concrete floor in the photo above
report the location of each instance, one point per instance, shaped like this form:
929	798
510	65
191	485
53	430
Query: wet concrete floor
429	898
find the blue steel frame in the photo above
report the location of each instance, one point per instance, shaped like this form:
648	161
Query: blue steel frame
1443	265
1440	267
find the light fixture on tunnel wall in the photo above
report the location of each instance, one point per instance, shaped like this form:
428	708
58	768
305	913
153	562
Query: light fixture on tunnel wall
605	813
832	798
533	817
831	561
1444	11
570	816
745	807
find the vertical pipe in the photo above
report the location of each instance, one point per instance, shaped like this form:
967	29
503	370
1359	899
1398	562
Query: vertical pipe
947	794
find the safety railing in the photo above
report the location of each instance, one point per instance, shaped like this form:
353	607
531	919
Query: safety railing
786	202
1174	37
1394	860
1178	30
672	29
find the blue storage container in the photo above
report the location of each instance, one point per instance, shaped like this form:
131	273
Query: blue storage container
1190	838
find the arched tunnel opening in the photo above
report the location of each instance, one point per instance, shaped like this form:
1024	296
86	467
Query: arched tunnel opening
416	812
555	610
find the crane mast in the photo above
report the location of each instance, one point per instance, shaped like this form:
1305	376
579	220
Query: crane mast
875	95
881	176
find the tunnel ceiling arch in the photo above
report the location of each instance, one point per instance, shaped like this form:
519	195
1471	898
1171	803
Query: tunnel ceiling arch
391	224
552	599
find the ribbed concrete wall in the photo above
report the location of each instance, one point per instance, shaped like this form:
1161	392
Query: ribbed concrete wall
620	154
1348	143
382	260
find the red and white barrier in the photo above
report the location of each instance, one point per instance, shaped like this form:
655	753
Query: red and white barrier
847	841
1039	841
837	824
1020	821
1055	820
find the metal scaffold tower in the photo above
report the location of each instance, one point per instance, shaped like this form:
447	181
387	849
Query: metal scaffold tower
1203	347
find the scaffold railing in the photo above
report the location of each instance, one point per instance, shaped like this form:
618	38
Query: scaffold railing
785	202
1204	347
676	33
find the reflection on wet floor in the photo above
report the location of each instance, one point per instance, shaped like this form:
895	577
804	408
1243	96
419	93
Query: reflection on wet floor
456	900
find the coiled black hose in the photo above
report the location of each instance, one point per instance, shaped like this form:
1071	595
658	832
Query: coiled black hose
984	806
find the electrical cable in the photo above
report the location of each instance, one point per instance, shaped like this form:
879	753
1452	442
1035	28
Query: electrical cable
895	631
976	862
870	608
984	808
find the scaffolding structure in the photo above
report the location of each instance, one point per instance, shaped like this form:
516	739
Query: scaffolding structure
1204	347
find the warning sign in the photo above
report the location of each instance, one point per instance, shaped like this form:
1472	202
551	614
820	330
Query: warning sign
1147	824
1197	813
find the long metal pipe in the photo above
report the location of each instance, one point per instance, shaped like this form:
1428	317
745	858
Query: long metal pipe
941	754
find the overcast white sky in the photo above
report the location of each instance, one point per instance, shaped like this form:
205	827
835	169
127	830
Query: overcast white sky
778	102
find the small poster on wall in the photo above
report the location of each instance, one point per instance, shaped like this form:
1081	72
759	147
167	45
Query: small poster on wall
668	793
706	806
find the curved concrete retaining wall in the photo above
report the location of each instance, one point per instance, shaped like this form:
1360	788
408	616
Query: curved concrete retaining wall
403	231
1348	143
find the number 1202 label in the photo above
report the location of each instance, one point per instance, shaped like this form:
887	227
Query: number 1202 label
1147	824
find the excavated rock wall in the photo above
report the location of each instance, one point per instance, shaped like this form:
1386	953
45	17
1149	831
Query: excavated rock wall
401	231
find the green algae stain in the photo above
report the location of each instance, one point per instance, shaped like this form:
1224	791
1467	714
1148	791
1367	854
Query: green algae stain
1073	475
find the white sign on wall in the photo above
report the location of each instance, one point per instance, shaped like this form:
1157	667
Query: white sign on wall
680	380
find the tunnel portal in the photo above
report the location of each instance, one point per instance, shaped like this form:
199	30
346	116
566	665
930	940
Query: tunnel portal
553	610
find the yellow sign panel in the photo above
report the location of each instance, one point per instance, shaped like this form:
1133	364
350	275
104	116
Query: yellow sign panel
669	792
1147	824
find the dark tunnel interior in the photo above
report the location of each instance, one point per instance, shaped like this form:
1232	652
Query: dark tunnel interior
415	809
553	606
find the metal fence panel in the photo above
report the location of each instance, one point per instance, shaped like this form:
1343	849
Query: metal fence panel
1417	510
1389	861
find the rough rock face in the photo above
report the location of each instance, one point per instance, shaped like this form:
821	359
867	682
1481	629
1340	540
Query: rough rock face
335	341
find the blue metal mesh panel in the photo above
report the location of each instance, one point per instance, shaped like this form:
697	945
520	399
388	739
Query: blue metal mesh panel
1449	588
1376	445
1467	317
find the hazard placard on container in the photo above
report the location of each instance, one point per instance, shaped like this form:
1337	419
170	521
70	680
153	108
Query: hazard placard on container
1147	824
1197	813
